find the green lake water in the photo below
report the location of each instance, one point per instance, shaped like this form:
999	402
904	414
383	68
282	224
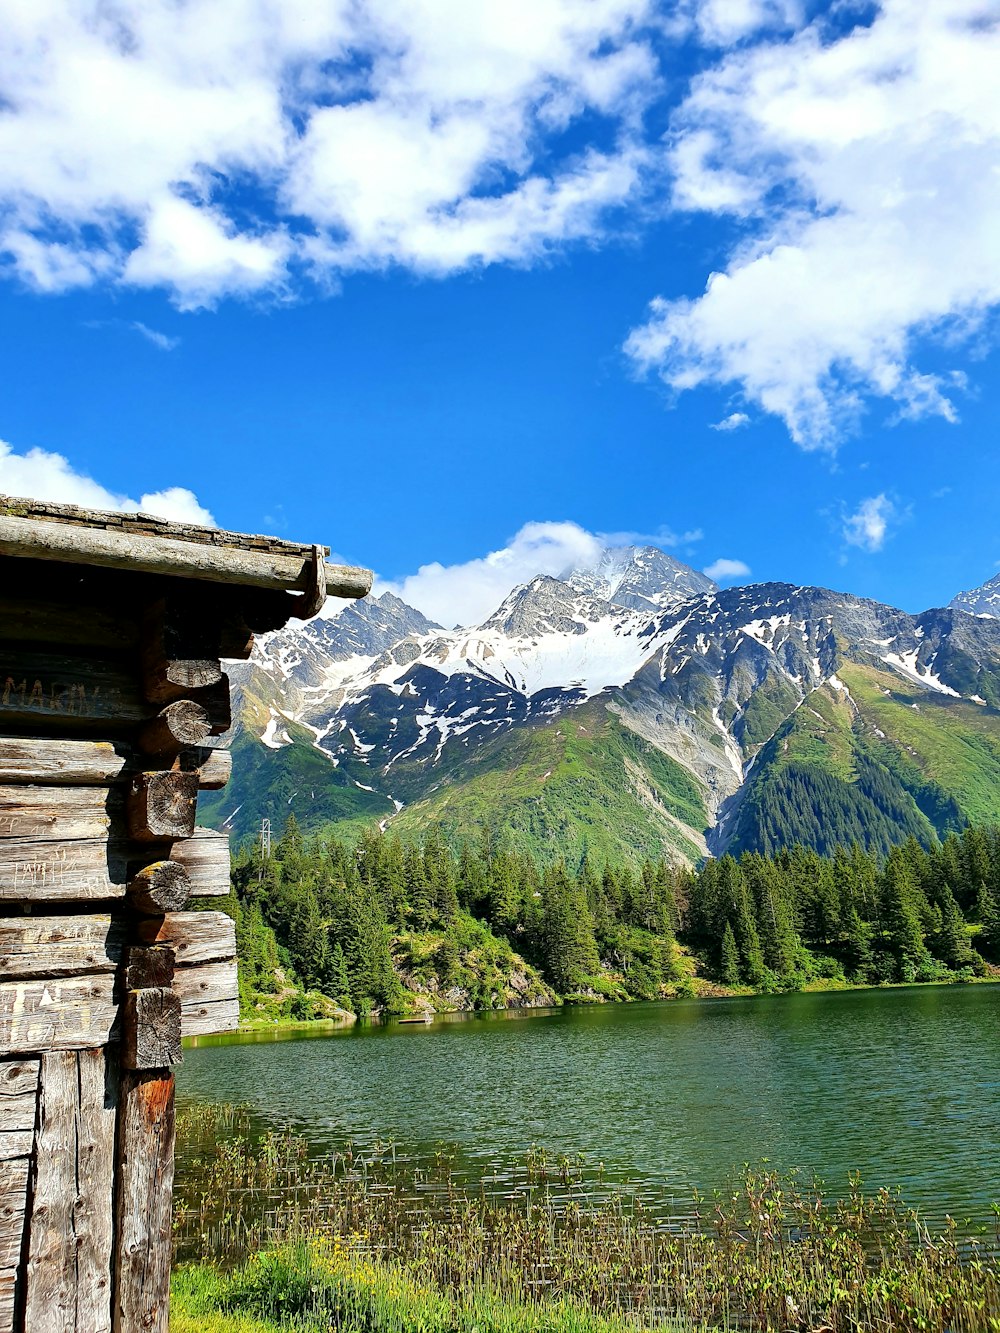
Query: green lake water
901	1085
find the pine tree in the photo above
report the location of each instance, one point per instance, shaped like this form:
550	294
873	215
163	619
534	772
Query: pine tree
729	965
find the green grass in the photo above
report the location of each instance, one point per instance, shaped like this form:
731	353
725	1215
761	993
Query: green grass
581	784
358	1242
318	1285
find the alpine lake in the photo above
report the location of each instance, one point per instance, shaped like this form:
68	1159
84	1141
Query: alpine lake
899	1085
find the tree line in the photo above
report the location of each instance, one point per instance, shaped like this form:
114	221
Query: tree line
331	913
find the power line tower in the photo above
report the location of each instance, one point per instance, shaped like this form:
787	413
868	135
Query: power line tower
265	839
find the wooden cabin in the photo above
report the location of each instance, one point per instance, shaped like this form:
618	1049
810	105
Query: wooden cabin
113	698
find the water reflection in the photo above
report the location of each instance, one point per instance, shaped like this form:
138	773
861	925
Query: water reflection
900	1085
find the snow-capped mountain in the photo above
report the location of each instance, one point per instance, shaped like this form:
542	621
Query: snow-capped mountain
633	701
981	601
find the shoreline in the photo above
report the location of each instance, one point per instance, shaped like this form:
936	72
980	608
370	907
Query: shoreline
264	1030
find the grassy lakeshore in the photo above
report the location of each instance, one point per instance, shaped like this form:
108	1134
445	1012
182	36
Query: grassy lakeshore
270	1237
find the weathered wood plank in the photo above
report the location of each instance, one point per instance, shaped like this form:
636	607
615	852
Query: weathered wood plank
50	1275
60	762
163	886
209	995
59	946
195	937
161	806
204	1020
53	761
92	870
30	538
54	691
18	1100
74	1013
87	869
205	856
56	814
214	767
68	1272
36	613
151	1028
93	1215
145	1184
148	965
181	724
13	1195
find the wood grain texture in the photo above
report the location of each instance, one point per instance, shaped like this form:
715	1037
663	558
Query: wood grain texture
59	946
60	762
73	1013
151	1028
160	806
59	692
205	856
81	870
209	995
55	814
148	965
93	1217
181	724
67	1281
162	886
13	1208
50	1276
194	937
45	761
145	1155
36	539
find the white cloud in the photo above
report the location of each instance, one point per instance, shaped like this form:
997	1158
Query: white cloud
466	593
161	340
40	475
869	525
733	422
723	570
222	146
865	167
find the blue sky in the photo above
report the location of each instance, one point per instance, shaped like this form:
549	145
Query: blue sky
416	329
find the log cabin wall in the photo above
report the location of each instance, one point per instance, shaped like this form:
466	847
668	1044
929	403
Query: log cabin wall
112	693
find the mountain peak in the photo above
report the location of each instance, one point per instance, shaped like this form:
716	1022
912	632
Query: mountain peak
641	578
981	601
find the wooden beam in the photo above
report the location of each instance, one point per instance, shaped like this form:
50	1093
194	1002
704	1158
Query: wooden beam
43	947
205	856
18	1103
28	760
194	937
57	691
93	1214
161	806
145	1178
149	965
180	648
164	886
151	1028
93	870
68	1272
13	1210
74	1013
179	725
57	762
35	539
209	995
55	813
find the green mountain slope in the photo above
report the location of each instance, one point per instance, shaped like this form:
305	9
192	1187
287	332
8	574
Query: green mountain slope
581	784
873	763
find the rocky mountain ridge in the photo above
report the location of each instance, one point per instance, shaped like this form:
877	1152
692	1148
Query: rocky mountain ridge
627	708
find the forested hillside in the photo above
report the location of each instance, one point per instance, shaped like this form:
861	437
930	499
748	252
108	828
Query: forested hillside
383	925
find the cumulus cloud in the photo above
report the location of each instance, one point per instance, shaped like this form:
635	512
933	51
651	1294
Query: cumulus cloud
869	525
466	593
733	422
723	570
863	164
226	146
40	475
